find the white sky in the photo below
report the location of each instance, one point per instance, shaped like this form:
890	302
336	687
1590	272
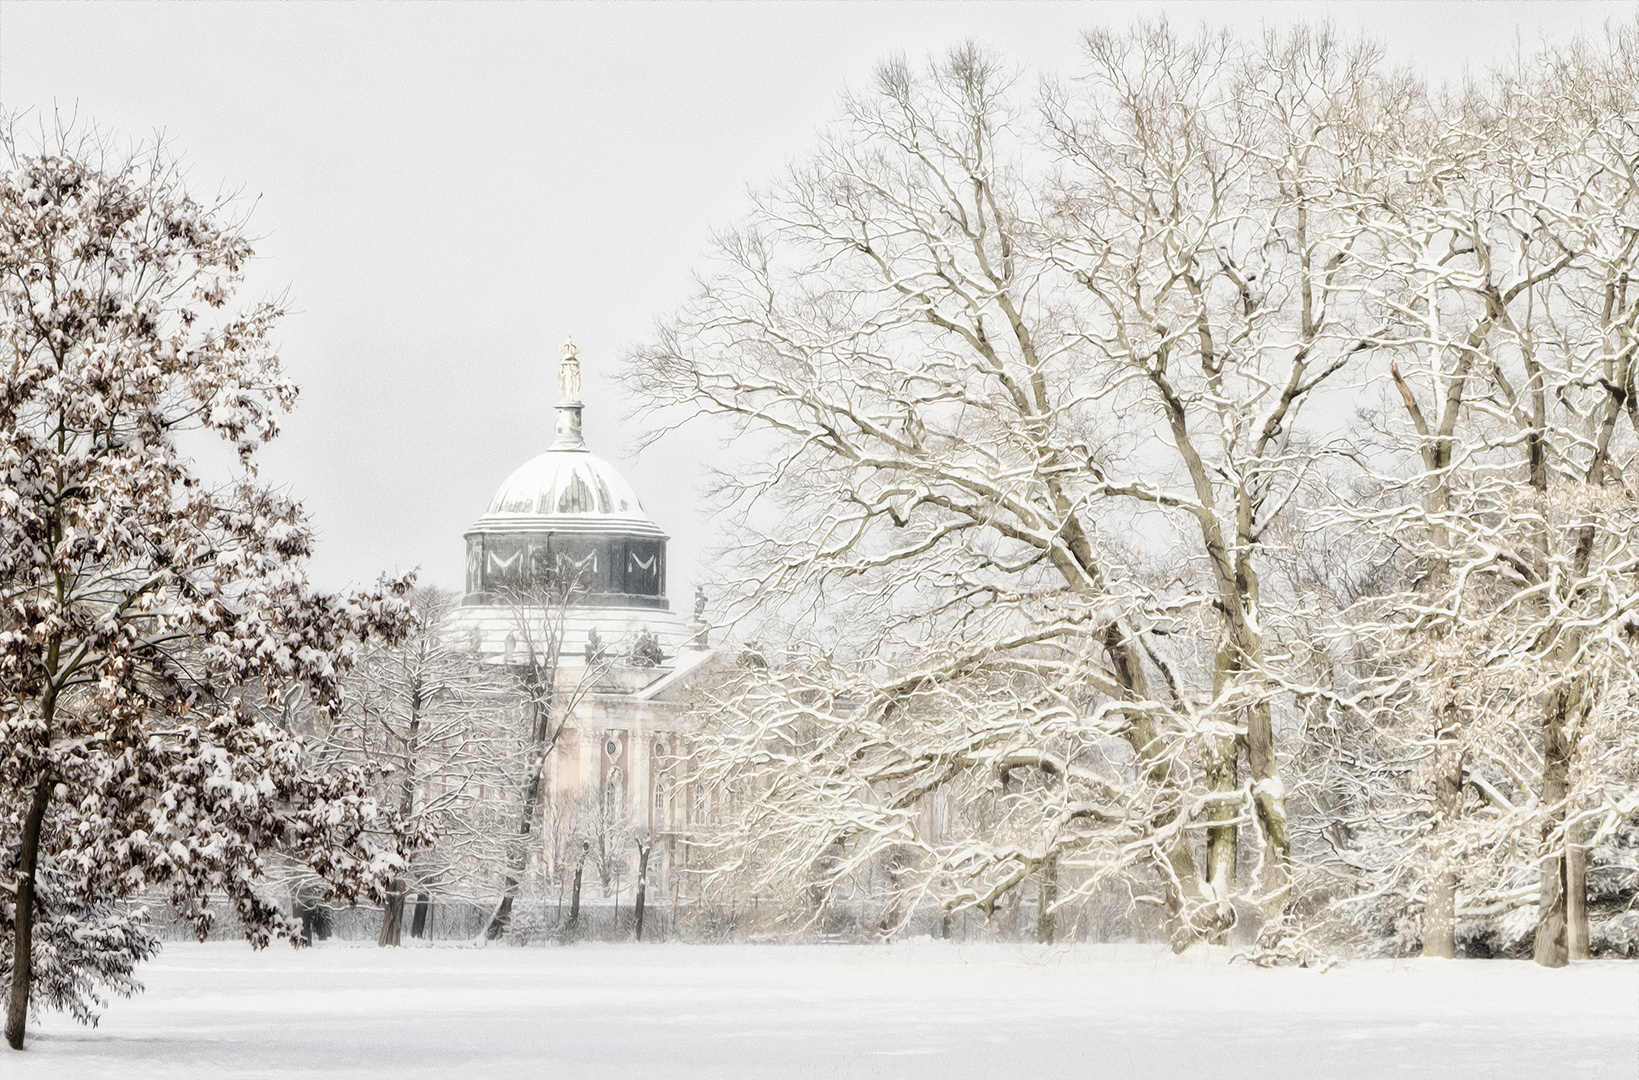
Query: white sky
448	190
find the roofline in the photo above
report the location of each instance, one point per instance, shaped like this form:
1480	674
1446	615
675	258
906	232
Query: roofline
599	524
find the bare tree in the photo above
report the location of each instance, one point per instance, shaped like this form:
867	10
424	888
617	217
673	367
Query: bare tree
1234	408
549	691
1502	275
438	730
975	375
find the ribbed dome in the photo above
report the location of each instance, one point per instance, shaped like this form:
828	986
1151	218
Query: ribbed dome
569	522
573	484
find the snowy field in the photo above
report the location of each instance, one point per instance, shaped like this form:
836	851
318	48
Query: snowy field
919	1009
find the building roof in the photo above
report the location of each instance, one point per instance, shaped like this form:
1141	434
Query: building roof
566	489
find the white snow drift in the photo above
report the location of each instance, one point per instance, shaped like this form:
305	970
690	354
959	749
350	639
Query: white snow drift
921	1009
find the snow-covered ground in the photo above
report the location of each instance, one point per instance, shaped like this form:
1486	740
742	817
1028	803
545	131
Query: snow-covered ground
918	1009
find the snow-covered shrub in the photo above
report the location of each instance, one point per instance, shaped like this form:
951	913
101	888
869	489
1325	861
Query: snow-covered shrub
82	951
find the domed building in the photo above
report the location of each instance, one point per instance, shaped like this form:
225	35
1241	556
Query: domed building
566	573
566	530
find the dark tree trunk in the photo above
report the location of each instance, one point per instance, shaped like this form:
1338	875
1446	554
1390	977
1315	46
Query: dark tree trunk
22	949
643	850
574	899
1047	894
418	925
392	916
315	922
502	918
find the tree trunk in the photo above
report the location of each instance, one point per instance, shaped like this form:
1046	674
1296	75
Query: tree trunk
392	916
22	949
315	919
574	899
418	926
1551	946
1440	902
1440	907
1174	863
1269	802
502	916
1223	777
1440	916
1552	949
1576	893
540	744
642	887
1047	894
1181	894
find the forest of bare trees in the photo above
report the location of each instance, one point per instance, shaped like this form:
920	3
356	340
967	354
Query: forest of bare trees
1201	482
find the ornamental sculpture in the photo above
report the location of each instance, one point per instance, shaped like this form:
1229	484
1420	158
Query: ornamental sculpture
569	373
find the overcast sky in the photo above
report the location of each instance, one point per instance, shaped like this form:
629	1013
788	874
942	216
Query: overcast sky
448	190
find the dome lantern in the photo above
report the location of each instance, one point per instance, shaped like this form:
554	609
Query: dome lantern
568	435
